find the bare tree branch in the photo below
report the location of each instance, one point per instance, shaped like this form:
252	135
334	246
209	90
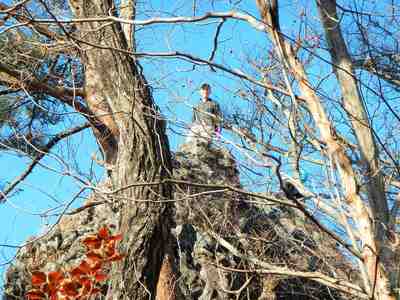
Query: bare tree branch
214	50
388	73
12	11
15	78
338	284
43	151
128	12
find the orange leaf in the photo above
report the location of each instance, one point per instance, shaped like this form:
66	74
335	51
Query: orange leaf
55	277
35	295
76	273
110	244
52	289
84	266
45	288
38	278
94	256
71	288
87	286
92	242
99	277
110	251
104	233
54	296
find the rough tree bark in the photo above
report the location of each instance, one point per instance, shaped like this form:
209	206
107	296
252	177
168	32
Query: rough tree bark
137	150
376	278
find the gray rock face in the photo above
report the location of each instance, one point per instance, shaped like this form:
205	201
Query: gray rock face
205	208
60	249
275	234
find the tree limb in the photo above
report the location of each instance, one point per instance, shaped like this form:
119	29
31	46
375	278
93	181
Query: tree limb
12	11
374	66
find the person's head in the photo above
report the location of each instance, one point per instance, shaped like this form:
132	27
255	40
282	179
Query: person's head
205	91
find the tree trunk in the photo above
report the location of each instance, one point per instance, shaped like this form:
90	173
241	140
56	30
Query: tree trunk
356	112
138	152
355	109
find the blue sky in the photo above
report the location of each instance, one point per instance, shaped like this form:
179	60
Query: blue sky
175	93
175	87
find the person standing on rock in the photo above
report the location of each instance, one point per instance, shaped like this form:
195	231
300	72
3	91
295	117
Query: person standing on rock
207	114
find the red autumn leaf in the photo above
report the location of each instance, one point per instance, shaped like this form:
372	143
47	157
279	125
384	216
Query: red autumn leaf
76	273
100	277
35	295
71	288
116	237
55	278
45	288
86	286
52	291
110	244
92	242
38	278
104	233
94	256
85	267
55	296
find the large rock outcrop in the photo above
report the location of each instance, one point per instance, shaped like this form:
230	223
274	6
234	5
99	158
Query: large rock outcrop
207	212
264	231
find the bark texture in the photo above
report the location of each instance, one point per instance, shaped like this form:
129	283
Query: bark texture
136	147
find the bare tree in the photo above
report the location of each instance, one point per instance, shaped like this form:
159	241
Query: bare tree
306	141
